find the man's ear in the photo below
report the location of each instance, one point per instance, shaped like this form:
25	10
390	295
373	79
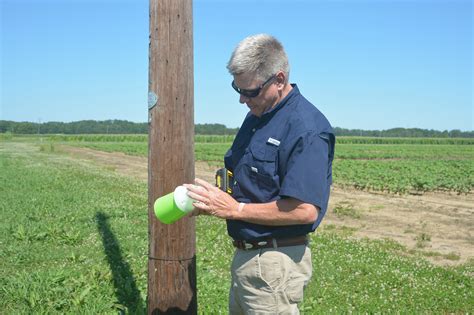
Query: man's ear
280	79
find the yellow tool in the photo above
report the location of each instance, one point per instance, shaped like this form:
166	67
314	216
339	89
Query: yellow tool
224	180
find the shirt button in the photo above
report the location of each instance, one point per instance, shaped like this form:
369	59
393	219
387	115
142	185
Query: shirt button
253	130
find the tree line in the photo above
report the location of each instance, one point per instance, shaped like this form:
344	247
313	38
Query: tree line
100	127
128	127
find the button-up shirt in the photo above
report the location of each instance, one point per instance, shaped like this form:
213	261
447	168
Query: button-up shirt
285	153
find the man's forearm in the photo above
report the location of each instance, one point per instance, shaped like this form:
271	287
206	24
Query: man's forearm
282	212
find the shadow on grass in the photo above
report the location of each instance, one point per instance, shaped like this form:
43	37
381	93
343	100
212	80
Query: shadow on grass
126	289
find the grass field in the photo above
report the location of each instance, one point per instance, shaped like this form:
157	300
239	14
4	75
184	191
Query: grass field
74	240
394	165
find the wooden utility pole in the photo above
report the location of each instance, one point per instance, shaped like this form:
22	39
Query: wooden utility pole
171	259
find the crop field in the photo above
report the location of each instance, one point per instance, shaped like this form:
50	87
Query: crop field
394	165
73	234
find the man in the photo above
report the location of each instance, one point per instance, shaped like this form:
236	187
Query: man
281	159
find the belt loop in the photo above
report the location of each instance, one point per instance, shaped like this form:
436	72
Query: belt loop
274	242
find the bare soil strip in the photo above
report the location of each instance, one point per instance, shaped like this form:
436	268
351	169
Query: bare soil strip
436	225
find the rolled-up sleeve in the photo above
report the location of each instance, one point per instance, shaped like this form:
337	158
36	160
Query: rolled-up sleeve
308	172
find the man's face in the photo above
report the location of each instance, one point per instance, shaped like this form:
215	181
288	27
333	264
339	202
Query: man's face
266	99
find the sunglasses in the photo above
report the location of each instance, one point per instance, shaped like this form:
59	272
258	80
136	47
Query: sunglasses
253	92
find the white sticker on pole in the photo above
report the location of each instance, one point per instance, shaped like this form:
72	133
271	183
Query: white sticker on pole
152	100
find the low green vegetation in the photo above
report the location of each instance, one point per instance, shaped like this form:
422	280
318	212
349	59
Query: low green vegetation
406	176
199	138
394	165
69	237
73	239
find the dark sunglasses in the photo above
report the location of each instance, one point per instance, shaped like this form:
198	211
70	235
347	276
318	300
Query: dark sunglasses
253	92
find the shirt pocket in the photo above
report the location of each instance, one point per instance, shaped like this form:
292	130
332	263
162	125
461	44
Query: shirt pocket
264	159
262	170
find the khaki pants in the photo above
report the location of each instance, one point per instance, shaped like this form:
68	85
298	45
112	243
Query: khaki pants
269	281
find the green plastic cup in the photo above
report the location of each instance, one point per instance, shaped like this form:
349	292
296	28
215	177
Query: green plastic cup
173	206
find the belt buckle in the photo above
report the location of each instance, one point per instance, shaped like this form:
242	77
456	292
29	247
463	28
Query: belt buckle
247	245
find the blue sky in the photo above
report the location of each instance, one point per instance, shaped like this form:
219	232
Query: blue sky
365	64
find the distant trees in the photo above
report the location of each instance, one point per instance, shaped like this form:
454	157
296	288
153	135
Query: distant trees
75	127
99	127
127	127
214	129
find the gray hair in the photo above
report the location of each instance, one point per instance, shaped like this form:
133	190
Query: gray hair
261	54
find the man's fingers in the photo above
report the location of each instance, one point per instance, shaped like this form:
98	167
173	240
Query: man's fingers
201	205
193	188
197	190
197	197
204	184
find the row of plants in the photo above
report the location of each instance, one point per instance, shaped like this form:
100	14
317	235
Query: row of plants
390	168
395	168
404	151
405	176
198	138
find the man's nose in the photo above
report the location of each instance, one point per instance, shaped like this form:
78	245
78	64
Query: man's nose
243	99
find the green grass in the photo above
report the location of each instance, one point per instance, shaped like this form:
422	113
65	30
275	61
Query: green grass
73	239
370	277
69	237
394	165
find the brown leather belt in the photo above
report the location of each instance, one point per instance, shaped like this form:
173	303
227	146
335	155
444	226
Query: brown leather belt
271	242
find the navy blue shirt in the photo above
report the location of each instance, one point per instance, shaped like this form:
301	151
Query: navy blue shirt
287	152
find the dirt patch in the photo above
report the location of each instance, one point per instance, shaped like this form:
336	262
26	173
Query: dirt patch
435	225
134	166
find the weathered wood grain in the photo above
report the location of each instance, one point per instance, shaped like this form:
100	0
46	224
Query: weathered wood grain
171	263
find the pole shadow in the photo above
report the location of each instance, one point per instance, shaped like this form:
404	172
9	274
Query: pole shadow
126	289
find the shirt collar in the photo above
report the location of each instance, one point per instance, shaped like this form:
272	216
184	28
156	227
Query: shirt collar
287	99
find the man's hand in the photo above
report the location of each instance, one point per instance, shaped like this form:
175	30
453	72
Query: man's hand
211	200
